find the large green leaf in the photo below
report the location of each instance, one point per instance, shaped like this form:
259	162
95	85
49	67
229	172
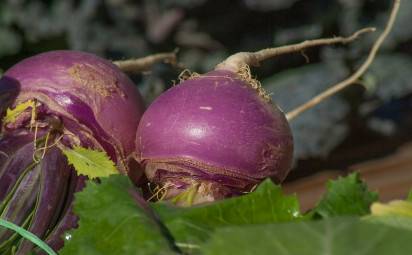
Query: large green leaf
345	196
332	236
112	223
191	226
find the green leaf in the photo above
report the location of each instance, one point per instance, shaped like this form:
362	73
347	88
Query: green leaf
90	163
12	114
345	196
112	223
192	225
337	236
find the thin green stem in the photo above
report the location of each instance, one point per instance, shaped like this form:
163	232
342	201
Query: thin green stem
28	235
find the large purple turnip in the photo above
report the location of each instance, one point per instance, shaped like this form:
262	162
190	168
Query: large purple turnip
213	136
72	99
218	134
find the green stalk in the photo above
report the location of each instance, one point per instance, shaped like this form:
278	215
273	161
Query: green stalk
29	236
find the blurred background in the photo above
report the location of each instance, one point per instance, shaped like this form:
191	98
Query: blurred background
367	128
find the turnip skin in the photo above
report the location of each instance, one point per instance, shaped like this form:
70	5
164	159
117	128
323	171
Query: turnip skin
214	131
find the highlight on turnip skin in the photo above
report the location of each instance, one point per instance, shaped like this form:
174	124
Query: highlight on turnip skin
218	134
58	100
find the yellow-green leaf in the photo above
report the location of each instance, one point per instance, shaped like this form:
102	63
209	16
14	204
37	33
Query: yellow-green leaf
397	213
12	114
91	163
396	207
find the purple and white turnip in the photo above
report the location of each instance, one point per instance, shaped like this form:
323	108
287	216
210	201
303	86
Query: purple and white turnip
218	134
70	99
213	136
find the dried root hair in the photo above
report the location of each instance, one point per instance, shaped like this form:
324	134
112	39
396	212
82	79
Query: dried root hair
246	76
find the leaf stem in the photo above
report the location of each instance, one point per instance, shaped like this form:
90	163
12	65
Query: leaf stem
28	235
354	77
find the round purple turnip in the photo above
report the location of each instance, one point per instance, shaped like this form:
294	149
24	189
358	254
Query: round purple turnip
213	136
218	134
58	99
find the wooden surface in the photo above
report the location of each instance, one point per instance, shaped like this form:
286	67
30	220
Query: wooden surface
391	176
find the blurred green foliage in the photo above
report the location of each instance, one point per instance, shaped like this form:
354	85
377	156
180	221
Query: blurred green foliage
207	31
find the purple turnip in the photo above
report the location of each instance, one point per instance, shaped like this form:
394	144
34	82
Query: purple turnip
58	99
90	96
218	134
213	136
